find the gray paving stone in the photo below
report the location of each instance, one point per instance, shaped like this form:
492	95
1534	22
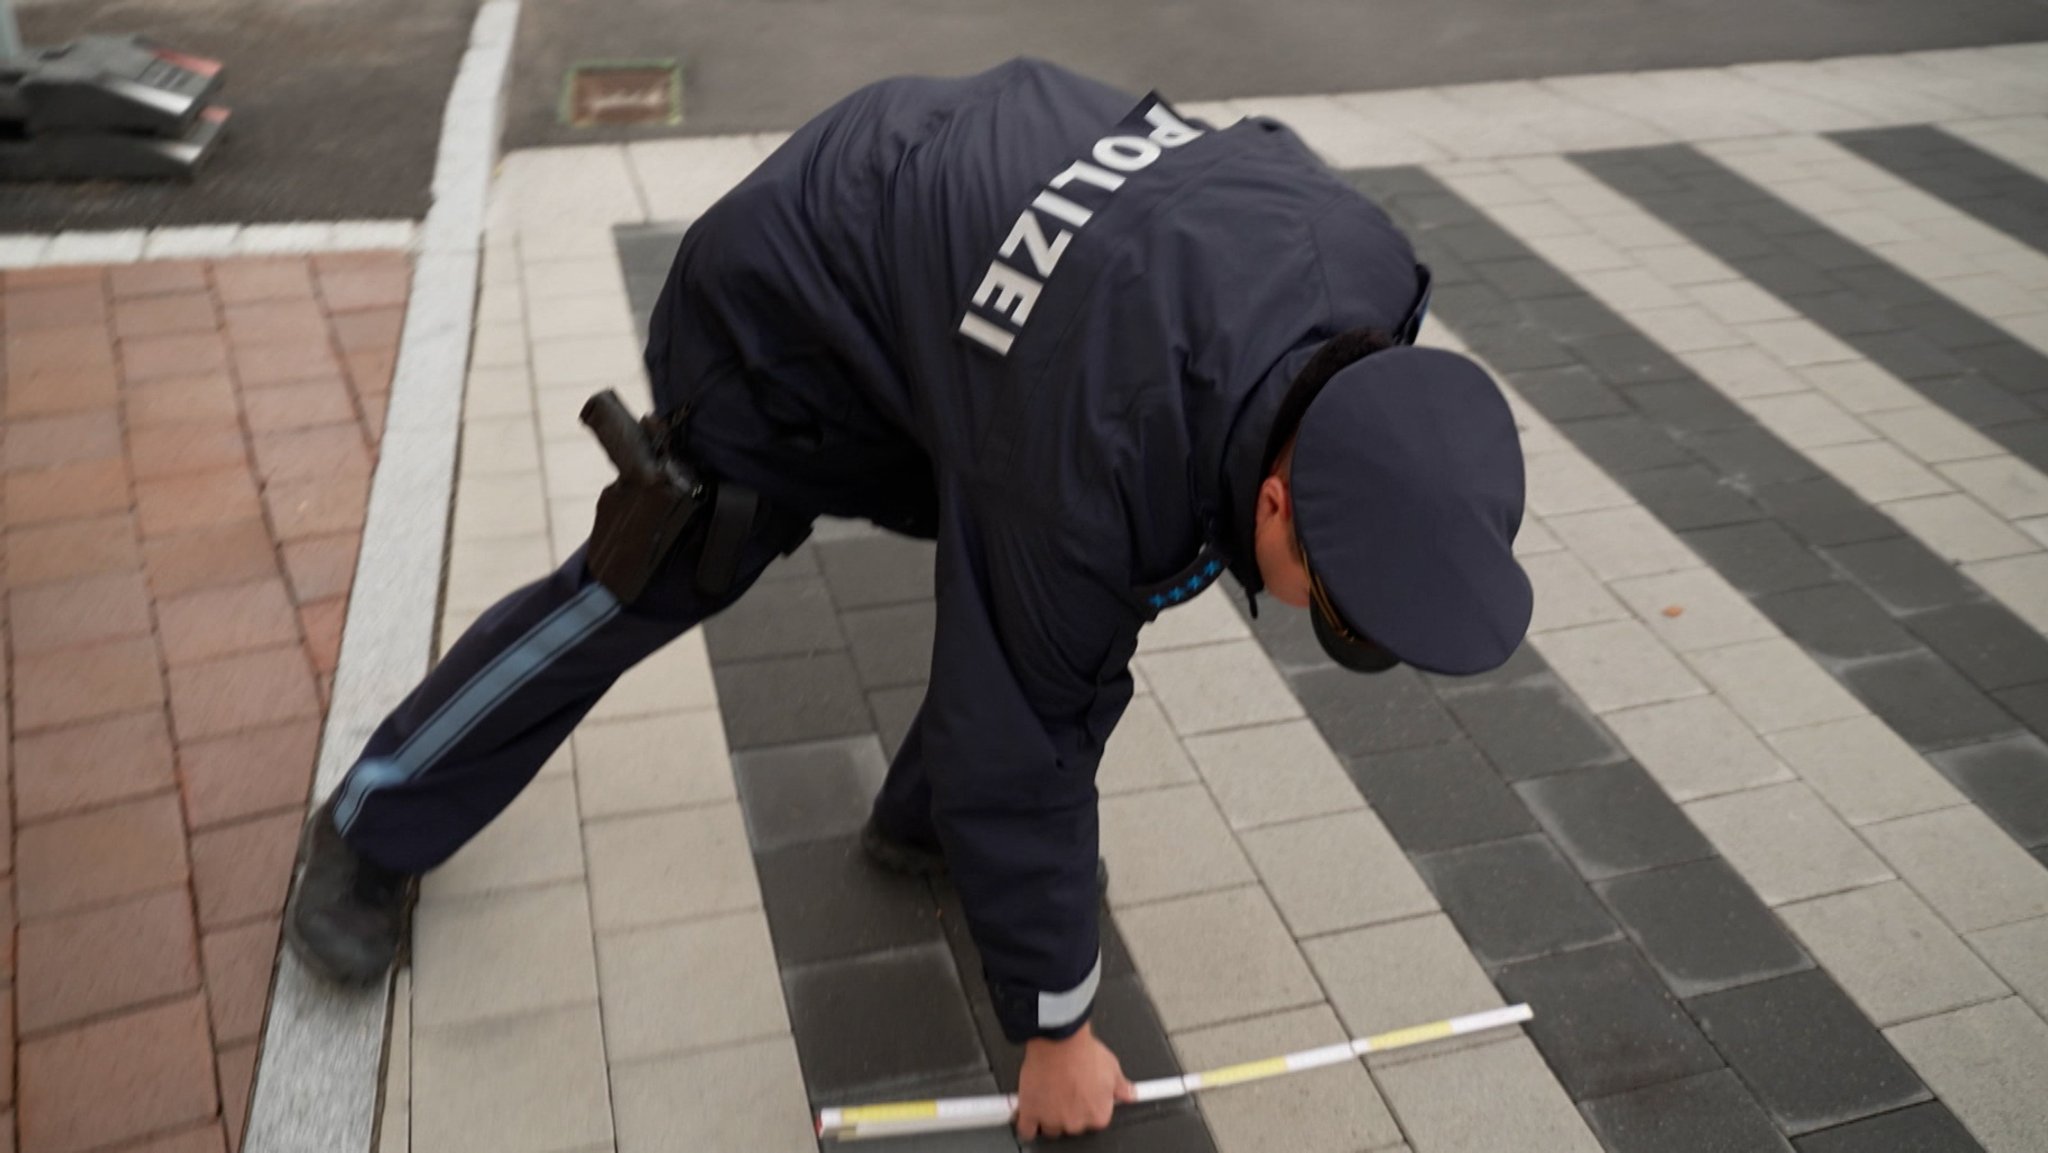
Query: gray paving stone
1928	1128
1573	392
2019	954
1289	639
1810	1056
1143	753
2008	779
1126	1021
1266	774
1620	445
1986	643
1439	797
1168	843
529	1083
1786	843
1399	974
1838	622
1165	1127
1697	748
826	900
1693	610
1217	687
1701	927
667	866
2029	704
1331	1110
1903	575
1002	1139
636	764
810	792
867	1023
1752	457
498	954
1823	513
1612	819
748	1096
785	618
536	839
891	646
1362	715
1891	953
881	569
1485	1099
788	700
1691	497
1987	1063
1532	728
1216	957
1926	701
1515	899
674	988
1759	558
1336	872
894	711
1773	685
1964	866
1710	1113
1604	1022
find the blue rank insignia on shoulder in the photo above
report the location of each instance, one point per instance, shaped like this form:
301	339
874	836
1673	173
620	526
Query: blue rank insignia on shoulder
1206	567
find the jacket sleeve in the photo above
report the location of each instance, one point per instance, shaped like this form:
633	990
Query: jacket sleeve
1030	672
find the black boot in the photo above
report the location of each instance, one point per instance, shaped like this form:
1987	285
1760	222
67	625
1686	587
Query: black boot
914	859
347	916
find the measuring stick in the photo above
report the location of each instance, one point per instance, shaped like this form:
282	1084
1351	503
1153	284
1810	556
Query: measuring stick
904	1118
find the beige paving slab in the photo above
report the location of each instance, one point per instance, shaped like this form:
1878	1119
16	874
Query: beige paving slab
536	840
1331	1110
1694	609
677	677
1774	685
506	504
679	988
2006	485
1566	482
1399	974
1168	843
483	572
1864	770
1973	874
1485	1099
1143	753
1337	872
1217	957
639	764
533	1083
1617	665
1265	774
1567	594
2021	582
1890	952
1622	542
1932	436
496	445
1786	843
2019	954
1220	686
394	1123
1878	471
1988	1064
498	954
748	1096
669	866
1959	529
1697	748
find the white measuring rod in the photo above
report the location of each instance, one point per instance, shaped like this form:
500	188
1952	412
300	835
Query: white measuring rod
905	1118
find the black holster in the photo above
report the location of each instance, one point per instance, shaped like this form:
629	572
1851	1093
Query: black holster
641	515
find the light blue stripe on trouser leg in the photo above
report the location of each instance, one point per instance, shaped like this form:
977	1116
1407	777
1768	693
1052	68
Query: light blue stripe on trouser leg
562	630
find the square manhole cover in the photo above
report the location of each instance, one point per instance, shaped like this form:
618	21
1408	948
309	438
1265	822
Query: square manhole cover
623	92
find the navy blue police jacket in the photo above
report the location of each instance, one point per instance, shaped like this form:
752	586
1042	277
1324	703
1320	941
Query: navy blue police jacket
1077	310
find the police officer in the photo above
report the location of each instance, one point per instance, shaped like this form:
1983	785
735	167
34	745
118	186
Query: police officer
1102	354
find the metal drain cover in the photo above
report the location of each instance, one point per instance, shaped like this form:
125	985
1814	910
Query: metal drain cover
613	92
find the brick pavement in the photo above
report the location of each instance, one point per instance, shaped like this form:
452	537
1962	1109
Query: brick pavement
187	453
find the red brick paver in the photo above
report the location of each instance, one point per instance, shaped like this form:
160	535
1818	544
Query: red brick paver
183	471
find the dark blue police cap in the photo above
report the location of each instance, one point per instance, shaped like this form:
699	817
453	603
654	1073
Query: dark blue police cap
1407	481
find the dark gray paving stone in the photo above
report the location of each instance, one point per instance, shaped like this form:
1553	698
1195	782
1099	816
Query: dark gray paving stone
1126	1021
1288	638
1710	1113
826	900
1569	394
1702	928
786	700
1477	239
784	618
2008	779
1822	512
1157	1127
1525	278
2000	194
1910	356
1361	715
1926	701
886	1020
1625	444
1604	1022
1752	457
1532	728
1573	319
894	710
1523	665
1690	497
1760	558
1838	621
1811	1057
1002	1139
1613	819
2029	703
1986	643
877	570
1928	1128
1515	899
813	792
1976	399
1627	358
1687	408
1514	349
1439	797
892	647
1904	575
2012	367
1843	312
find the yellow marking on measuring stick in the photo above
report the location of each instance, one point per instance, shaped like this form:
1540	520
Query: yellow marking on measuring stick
907	1118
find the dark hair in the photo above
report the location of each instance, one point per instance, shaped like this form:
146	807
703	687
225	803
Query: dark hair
1336	354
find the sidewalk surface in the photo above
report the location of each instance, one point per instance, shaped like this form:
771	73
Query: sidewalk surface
1756	822
188	447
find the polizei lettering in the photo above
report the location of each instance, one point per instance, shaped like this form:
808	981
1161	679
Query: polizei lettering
1001	305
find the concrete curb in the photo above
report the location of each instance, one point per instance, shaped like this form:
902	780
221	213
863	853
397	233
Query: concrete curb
318	1079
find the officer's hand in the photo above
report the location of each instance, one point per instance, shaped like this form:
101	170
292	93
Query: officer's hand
1069	1087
